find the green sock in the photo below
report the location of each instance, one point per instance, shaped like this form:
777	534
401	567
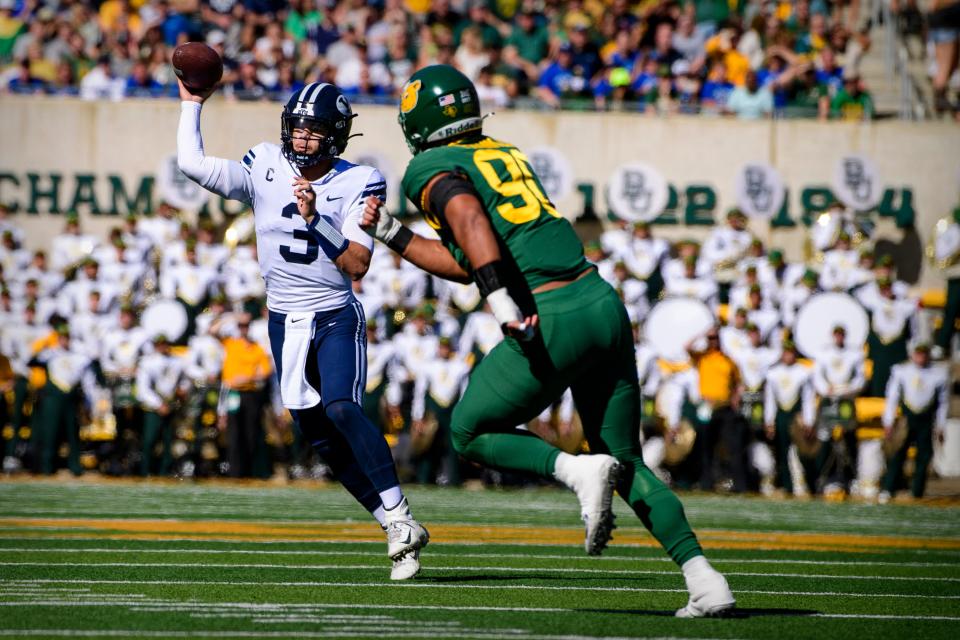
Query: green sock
517	451
661	513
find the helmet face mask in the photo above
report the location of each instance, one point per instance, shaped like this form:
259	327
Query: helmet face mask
324	113
438	105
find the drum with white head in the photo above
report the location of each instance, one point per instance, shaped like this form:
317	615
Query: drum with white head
817	318
165	317
673	323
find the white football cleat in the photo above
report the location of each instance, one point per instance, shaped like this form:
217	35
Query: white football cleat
710	595
593	478
406	566
404	534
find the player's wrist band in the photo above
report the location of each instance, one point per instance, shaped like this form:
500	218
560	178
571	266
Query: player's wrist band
331	241
489	277
400	239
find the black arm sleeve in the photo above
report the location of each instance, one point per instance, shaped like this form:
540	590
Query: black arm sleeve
444	190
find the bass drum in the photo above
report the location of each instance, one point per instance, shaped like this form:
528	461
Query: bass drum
673	323
165	317
813	330
677	448
806	441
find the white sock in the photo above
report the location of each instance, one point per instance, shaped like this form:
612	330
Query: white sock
392	497
380	514
561	466
695	565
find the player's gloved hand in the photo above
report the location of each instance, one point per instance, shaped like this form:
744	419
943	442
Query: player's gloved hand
511	319
377	221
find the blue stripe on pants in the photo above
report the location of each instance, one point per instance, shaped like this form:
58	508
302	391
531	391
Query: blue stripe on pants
337	366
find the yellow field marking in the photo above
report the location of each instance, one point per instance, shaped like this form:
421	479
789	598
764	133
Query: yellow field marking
146	529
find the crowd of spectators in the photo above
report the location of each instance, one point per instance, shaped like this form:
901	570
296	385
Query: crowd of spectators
749	58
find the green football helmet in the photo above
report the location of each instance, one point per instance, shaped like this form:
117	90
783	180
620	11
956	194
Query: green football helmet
438	104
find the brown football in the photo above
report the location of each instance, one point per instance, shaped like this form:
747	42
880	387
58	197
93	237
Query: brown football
197	65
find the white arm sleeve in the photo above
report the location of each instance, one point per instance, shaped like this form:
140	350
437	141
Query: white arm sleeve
226	178
859	376
893	399
820	383
943	404
145	393
808	406
376	186
418	407
769	402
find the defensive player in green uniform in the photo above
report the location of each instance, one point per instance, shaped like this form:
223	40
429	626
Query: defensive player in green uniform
564	326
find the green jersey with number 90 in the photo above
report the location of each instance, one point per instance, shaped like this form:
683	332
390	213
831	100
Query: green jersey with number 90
541	242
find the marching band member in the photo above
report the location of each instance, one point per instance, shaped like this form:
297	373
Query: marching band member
71	246
480	334
204	367
754	361
690	285
70	376
733	336
189	282
646	257
121	351
787	394
947	251
838	376
892	323
136	239
921	392
159	389
839	265
794	297
438	387
16	343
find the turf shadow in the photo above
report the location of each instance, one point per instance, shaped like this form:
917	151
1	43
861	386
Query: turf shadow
527	577
738	613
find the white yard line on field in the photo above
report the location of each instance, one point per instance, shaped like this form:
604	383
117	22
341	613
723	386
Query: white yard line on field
493	556
328	567
424	585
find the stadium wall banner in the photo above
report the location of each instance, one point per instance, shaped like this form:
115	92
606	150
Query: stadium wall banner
105	159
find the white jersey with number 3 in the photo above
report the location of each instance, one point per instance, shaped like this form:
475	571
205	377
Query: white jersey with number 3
297	273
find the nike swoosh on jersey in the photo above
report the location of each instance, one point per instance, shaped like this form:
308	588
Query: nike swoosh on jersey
295	321
329	199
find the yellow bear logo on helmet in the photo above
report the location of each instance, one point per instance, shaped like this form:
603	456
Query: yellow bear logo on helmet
410	94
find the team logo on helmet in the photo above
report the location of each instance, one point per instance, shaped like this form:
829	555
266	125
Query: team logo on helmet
410	94
450	111
343	106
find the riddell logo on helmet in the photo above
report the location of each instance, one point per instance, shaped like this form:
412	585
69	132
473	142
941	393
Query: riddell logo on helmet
454	129
410	94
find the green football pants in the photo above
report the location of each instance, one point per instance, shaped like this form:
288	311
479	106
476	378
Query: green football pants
585	342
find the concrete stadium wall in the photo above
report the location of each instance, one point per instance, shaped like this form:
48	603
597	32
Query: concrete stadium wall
59	153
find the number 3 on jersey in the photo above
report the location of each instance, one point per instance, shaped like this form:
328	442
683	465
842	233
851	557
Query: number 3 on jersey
313	247
519	184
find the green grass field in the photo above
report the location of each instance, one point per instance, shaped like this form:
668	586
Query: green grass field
158	560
